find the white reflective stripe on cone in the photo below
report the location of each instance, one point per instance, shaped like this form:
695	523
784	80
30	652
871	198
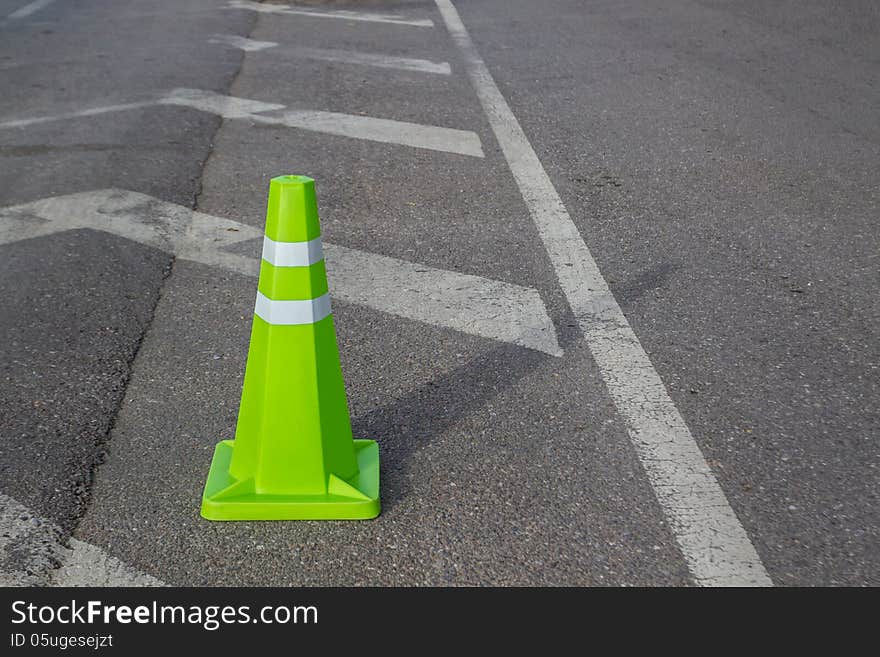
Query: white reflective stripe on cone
292	254
287	312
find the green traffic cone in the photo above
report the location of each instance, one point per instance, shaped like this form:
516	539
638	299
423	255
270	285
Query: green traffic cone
293	457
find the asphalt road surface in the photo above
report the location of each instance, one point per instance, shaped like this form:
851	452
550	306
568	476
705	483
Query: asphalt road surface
604	280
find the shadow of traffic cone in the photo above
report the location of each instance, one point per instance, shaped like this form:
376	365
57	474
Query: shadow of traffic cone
293	457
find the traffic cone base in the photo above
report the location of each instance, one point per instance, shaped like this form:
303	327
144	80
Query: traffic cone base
226	498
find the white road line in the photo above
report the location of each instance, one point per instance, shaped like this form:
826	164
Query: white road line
712	540
94	111
29	9
242	43
447	140
342	56
315	13
470	304
39	557
388	131
229	107
89	565
373	59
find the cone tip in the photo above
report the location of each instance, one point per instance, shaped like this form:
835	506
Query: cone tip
292	214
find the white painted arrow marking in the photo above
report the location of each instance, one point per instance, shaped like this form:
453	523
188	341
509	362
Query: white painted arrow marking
44	560
334	55
324	13
447	140
242	43
470	304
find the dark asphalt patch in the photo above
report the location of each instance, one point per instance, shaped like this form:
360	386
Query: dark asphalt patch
73	310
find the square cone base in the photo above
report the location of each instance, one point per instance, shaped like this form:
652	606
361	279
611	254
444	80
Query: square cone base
260	506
